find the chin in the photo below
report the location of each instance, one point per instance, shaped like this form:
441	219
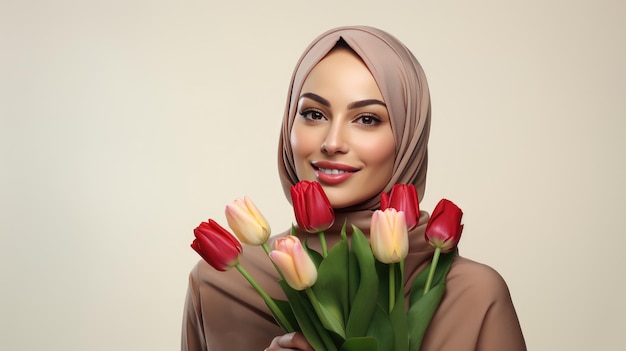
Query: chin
341	200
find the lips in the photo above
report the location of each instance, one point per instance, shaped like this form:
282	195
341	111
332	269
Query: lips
332	172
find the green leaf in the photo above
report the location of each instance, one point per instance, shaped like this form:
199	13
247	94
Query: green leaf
331	319
344	235
423	307
381	329
308	322
331	287
315	256
420	314
365	343
364	301
353	272
382	271
285	307
397	316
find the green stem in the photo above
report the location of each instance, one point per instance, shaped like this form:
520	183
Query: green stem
323	243
268	300
392	286
266	248
431	274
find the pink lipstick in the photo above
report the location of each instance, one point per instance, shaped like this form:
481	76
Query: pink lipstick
333	173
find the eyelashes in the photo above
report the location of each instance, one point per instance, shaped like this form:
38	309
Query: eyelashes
312	115
364	119
368	120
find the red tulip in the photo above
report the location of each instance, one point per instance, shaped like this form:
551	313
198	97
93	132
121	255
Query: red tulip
444	226
403	198
311	206
216	245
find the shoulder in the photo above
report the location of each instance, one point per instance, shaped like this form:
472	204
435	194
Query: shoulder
476	281
476	312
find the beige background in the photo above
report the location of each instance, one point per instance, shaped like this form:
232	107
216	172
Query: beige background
126	123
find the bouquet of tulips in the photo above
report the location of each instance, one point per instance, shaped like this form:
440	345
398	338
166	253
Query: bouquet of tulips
349	296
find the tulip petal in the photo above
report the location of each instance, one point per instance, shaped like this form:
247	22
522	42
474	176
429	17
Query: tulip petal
305	268
286	265
296	265
247	222
444	227
389	236
258	216
216	245
403	198
312	208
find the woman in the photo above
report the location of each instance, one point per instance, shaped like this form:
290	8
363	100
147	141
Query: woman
357	120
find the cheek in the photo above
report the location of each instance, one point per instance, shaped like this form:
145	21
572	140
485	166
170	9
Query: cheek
380	154
298	142
303	144
380	157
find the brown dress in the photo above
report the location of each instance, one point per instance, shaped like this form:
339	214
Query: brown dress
224	313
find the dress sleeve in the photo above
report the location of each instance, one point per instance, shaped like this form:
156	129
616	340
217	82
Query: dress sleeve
193	338
501	328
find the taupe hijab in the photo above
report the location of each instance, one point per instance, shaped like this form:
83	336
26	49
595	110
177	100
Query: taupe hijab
403	85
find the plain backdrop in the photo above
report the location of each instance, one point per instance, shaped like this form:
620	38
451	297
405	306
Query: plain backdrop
124	124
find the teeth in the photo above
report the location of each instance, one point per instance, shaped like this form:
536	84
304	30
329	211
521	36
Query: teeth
331	171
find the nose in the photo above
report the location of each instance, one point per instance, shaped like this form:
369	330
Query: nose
335	140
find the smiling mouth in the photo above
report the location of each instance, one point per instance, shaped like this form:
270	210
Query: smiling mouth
332	168
332	171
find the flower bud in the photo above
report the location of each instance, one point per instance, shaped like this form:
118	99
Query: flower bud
248	224
294	262
389	237
311	206
216	245
444	226
403	198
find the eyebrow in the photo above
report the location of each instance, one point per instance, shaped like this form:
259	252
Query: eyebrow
367	102
352	105
317	98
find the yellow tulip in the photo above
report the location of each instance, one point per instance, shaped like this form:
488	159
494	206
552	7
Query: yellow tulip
389	236
294	262
247	222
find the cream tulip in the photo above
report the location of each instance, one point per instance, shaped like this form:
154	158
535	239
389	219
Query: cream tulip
389	236
247	222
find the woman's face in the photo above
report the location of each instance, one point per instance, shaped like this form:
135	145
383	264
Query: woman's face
341	136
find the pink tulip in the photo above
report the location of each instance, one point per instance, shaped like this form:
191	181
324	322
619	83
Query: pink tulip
294	262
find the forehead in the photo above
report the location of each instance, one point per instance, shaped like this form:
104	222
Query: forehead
342	72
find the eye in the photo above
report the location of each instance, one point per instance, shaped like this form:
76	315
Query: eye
368	120
312	115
